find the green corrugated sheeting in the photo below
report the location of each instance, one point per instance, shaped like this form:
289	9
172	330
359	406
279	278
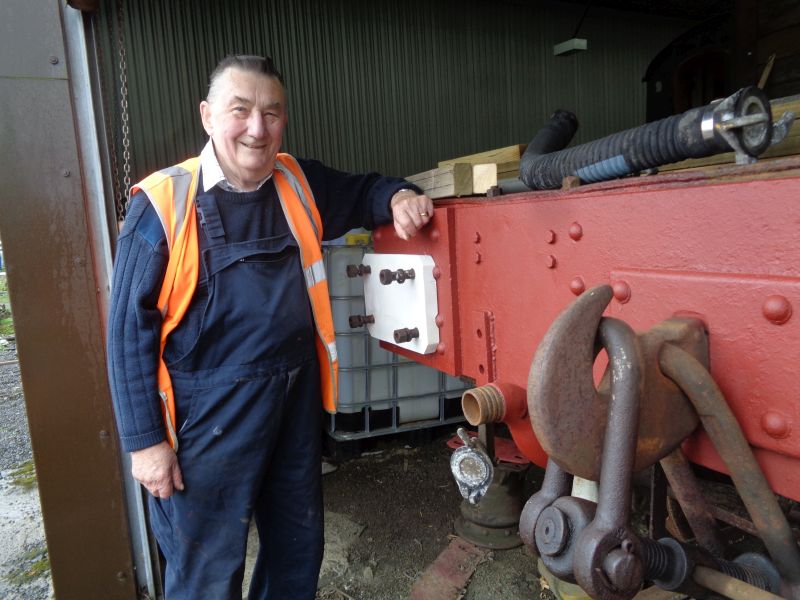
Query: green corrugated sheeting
387	86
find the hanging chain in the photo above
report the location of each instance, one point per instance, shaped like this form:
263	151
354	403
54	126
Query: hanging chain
111	138
123	101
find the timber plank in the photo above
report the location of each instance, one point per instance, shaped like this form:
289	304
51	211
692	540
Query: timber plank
498	155
484	176
452	180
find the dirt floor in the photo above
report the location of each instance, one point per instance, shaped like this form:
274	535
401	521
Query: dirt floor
392	511
389	512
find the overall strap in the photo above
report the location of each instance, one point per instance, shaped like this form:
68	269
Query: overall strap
210	221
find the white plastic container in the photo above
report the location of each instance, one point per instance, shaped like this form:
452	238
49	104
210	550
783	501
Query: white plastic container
370	377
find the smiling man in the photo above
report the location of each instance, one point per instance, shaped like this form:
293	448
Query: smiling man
220	339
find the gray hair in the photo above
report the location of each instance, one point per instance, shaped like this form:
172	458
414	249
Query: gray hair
250	63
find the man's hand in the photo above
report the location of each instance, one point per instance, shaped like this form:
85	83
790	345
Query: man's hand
156	468
411	212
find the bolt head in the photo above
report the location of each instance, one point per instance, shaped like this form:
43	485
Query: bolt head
53	60
435	235
623	569
550	236
552	531
477	237
477	258
550	261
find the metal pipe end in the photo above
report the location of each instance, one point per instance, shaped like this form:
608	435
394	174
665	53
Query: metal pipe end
484	404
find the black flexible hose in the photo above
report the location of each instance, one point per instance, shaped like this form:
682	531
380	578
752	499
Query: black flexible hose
554	136
669	140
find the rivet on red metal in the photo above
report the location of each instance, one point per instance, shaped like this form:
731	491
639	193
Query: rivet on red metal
777	309
775	425
577	286
622	291
576	231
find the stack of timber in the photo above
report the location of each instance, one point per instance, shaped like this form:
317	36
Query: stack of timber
499	155
445	182
488	175
789	146
468	175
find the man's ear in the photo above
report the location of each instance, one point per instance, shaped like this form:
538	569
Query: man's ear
205	117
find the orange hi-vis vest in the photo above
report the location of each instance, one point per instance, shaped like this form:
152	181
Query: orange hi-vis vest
172	193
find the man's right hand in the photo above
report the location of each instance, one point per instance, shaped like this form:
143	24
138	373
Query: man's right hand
157	469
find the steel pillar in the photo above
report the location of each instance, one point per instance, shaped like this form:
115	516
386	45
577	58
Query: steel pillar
55	240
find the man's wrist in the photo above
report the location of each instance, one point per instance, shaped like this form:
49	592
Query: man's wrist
397	195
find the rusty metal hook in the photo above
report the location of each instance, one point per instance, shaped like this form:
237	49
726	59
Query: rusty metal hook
567	412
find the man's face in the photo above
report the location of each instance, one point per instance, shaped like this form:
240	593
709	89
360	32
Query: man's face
245	118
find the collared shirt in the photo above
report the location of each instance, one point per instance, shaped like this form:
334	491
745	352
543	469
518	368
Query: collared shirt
212	171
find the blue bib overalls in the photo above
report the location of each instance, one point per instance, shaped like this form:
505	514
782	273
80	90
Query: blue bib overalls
247	393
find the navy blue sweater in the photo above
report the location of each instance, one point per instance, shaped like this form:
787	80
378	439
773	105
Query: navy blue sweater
345	201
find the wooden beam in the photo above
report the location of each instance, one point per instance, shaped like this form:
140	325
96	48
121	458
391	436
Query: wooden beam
445	182
498	155
485	176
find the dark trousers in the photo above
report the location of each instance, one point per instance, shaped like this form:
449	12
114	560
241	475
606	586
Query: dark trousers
249	447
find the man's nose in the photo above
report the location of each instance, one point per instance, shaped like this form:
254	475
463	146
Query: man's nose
255	125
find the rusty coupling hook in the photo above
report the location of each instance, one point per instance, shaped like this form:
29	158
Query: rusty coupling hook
648	373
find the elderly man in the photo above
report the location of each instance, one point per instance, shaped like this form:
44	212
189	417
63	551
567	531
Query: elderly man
220	339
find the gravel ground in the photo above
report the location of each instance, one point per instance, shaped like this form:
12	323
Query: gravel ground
24	567
15	443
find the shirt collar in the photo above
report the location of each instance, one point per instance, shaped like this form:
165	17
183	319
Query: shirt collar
212	172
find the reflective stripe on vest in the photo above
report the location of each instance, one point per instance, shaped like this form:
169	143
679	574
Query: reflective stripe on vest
291	183
172	193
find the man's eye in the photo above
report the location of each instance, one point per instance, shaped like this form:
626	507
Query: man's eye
239	109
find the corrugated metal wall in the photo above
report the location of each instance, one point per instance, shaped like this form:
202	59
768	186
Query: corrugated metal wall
387	86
